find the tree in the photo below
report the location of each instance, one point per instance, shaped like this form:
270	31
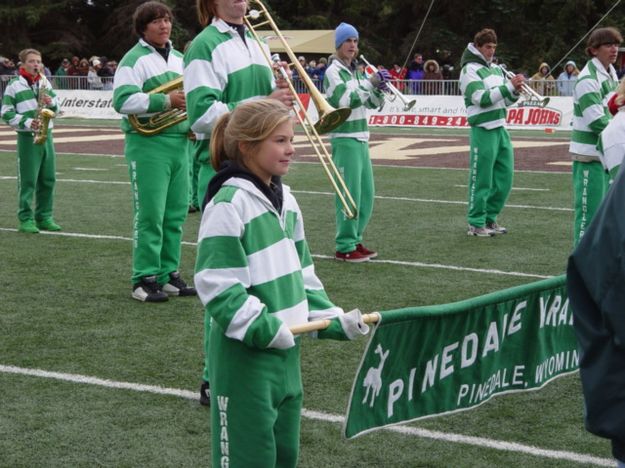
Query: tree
529	31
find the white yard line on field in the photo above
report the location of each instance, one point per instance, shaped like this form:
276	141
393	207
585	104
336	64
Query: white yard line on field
326	417
444	202
324	257
311	192
525	189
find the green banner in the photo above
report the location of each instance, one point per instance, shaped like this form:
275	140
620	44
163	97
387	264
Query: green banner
427	361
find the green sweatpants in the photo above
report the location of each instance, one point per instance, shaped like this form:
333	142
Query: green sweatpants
159	177
491	169
36	167
590	184
196	147
205	174
351	158
256	402
207	331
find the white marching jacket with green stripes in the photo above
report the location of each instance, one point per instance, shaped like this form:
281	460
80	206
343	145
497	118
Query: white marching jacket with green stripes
487	92
612	141
141	70
221	71
593	88
19	104
345	87
254	272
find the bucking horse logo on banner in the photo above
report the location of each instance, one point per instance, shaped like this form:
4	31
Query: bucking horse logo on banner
373	379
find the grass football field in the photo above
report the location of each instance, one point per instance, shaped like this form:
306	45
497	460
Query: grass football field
81	363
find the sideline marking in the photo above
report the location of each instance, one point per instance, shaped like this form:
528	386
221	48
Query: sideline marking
323	257
326	417
311	192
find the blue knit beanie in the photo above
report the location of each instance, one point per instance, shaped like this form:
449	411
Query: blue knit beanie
343	32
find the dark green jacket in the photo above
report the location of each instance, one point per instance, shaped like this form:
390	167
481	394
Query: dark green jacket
596	288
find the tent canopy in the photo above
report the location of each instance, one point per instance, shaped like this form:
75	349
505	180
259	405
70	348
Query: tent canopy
313	41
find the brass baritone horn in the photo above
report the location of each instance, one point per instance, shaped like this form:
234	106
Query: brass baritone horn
527	92
392	91
329	118
158	122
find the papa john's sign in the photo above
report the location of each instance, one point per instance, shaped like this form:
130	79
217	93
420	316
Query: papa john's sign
449	111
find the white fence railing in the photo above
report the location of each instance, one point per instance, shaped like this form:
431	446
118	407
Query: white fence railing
413	87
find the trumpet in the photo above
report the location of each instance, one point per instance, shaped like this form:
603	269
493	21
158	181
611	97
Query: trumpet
329	117
528	93
44	116
160	121
391	91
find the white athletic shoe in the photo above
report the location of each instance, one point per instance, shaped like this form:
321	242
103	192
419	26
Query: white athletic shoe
479	231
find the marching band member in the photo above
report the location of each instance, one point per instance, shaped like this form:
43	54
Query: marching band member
256	277
346	86
24	97
593	88
487	93
157	164
224	66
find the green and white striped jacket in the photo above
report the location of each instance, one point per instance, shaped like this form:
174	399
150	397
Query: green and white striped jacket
593	88
19	104
349	88
486	91
220	71
141	70
254	272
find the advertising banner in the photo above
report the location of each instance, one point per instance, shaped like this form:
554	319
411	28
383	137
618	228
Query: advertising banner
429	111
449	111
87	104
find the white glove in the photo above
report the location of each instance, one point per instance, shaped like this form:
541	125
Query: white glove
284	339
352	324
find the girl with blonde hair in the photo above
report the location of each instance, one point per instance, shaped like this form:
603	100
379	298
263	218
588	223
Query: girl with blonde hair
256	278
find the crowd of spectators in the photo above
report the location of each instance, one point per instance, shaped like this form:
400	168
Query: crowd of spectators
433	76
437	76
75	73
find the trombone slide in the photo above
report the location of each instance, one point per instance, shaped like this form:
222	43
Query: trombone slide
329	117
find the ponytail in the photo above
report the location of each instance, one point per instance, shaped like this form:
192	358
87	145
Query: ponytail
218	142
206	11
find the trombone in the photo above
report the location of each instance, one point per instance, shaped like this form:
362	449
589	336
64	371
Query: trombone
528	93
161	120
329	117
391	90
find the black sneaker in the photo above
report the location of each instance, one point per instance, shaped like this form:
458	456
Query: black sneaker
177	287
148	290
205	394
